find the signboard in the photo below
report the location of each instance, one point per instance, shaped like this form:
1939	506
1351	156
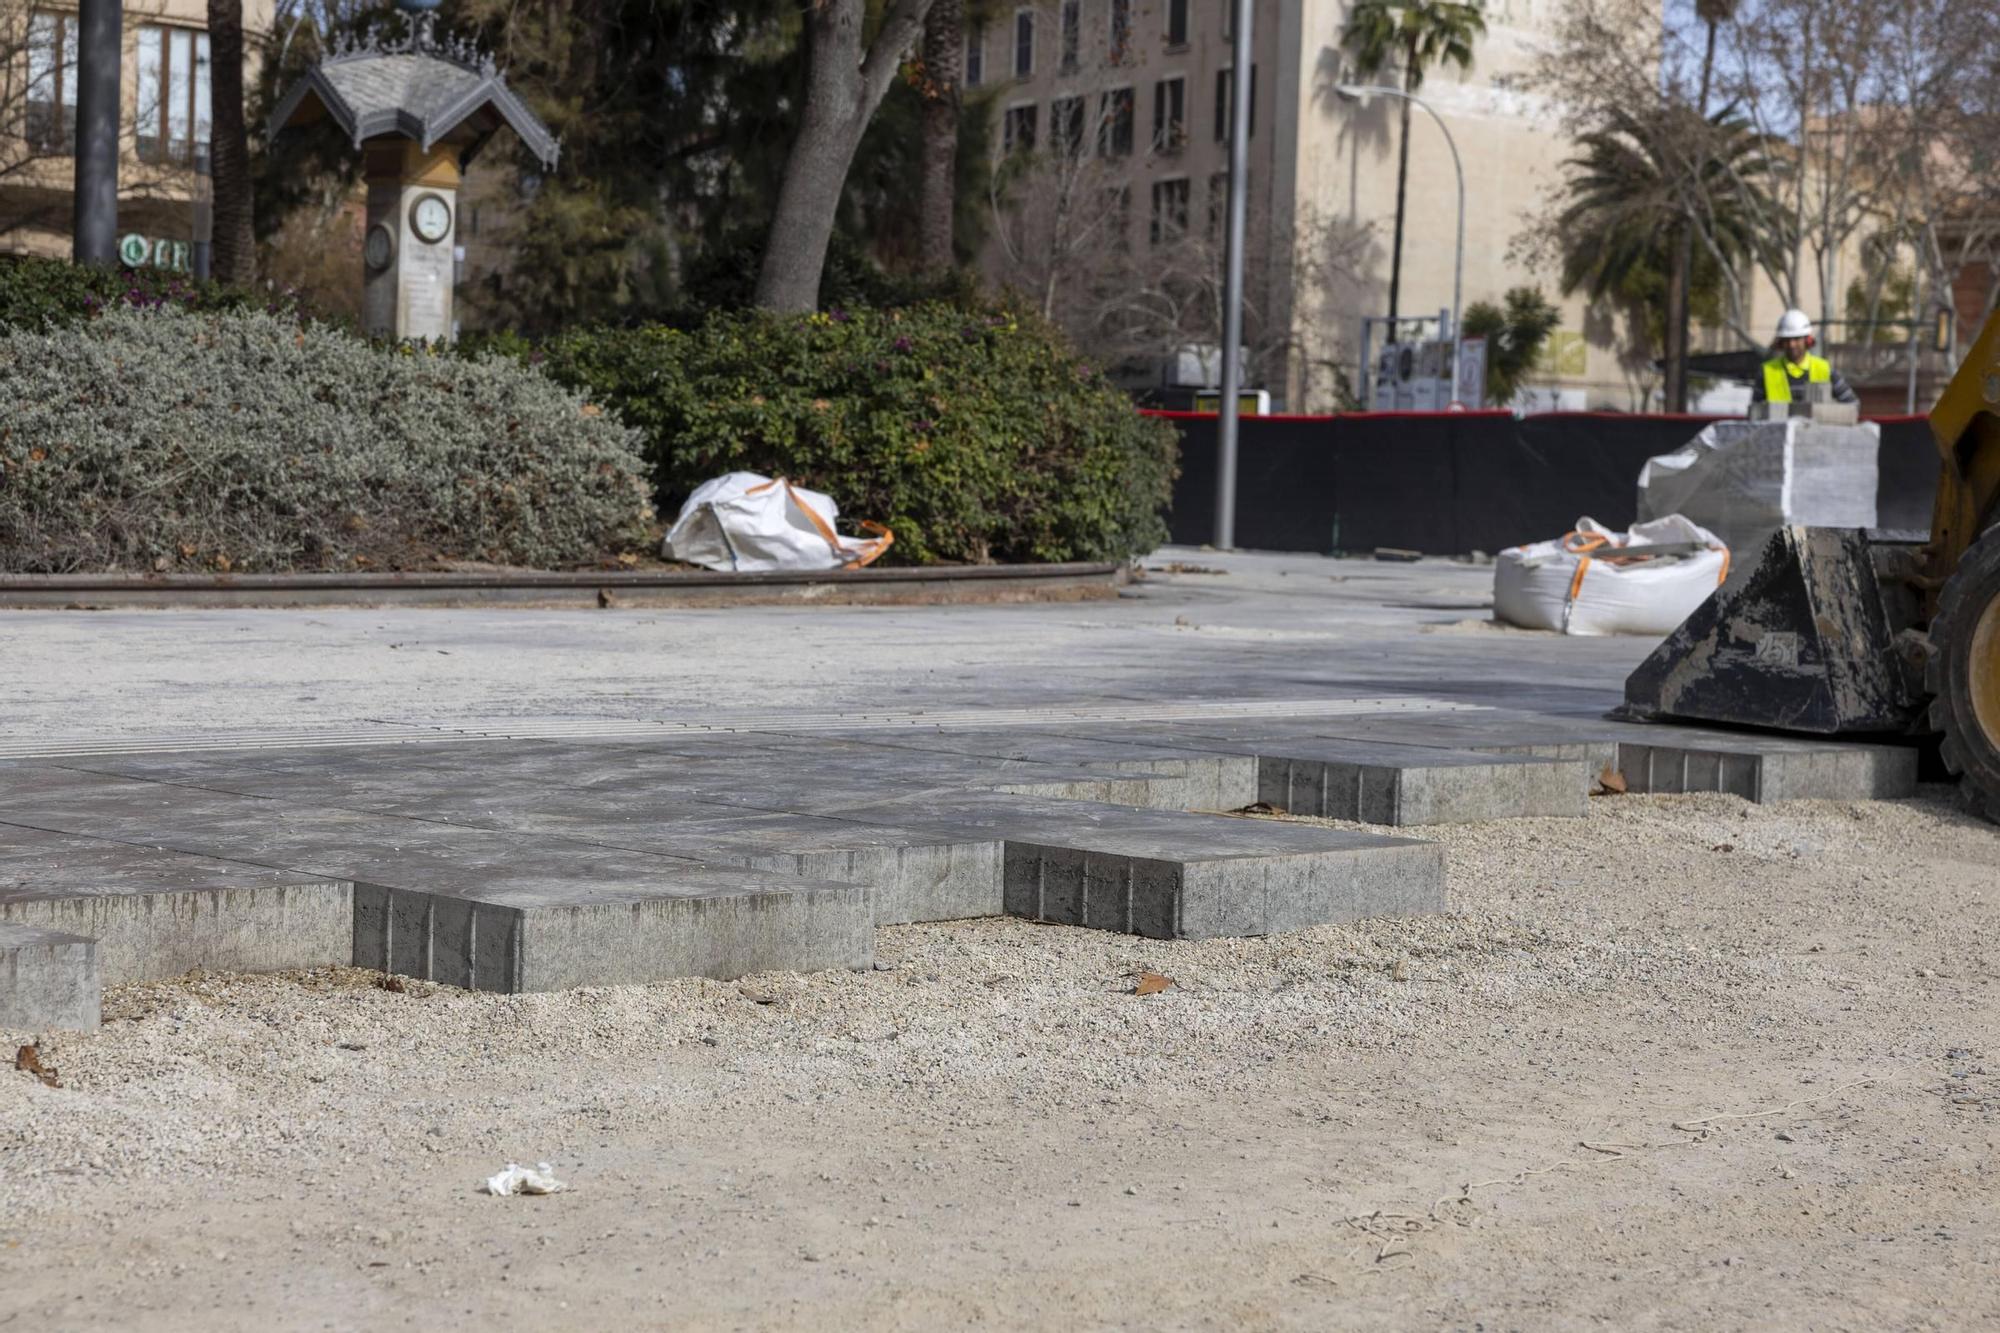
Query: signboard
1472	374
136	251
1249	402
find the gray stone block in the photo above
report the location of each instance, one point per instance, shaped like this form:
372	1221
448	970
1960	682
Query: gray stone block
697	922
1191	896
48	979
1175	876
1769	769
1397	785
156	913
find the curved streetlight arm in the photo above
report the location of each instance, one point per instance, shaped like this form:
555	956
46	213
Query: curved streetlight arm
1361	92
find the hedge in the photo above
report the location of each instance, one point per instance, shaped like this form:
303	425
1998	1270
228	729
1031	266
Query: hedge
163	439
977	436
37	293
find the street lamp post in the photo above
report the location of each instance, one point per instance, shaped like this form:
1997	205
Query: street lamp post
1361	93
1232	282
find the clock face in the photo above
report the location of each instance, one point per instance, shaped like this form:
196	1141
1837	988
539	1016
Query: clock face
378	248
430	218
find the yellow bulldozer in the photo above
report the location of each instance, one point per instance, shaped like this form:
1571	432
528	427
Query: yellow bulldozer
1843	631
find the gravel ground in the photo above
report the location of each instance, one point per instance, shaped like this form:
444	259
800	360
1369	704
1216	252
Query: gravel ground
1685	1063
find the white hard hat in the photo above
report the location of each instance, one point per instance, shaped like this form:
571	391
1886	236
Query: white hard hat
1794	324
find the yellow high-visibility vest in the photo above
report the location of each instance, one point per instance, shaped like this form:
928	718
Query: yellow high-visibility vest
1779	374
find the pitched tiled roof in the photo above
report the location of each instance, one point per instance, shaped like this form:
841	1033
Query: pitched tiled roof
417	89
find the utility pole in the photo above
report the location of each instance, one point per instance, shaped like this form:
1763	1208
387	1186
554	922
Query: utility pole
99	53
1232	284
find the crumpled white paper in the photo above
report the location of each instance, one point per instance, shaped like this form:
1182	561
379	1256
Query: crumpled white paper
518	1179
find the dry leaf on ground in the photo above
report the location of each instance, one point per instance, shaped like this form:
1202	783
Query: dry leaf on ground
29	1060
1610	782
1152	983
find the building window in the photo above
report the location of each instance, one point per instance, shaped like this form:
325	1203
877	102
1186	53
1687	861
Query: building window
173	103
1177	22
1218	202
1114	123
975	55
1170	210
1170	115
1121	32
1072	34
1118	214
1017	129
51	123
1066	126
1024	43
1223	91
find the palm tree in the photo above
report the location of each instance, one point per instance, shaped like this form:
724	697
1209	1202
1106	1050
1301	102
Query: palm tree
235	237
1627	198
1414	35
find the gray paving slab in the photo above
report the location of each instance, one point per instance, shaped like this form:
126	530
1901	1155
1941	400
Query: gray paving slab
1413	785
915	878
49	979
488	909
1176	875
157	913
1759	771
1177	777
1305	771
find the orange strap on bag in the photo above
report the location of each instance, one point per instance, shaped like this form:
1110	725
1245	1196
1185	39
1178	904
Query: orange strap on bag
870	551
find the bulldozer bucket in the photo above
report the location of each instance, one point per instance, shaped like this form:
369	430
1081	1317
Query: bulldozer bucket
1818	638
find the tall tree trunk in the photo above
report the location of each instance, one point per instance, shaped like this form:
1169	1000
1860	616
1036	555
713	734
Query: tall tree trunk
843	88
1679	270
1680	278
235	233
1403	189
943	71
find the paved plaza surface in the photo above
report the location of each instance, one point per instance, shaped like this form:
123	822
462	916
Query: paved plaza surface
569	819
817	931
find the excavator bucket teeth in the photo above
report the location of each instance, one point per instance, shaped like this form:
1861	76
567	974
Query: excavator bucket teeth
1814	639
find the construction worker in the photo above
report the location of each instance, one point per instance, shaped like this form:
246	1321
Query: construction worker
1793	364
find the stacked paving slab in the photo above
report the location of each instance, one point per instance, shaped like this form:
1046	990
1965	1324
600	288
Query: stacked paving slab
542	865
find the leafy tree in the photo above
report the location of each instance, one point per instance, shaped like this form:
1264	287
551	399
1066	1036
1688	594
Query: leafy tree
1411	35
1514	337
847	75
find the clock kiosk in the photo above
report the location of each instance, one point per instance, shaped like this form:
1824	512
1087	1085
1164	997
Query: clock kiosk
419	109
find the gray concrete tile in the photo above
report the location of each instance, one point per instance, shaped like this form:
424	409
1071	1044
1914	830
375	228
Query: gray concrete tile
49	979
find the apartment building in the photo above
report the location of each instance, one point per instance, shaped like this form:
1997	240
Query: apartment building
1142	88
164	125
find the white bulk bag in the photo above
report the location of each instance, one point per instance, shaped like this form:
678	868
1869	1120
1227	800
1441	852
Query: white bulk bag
1596	581
750	524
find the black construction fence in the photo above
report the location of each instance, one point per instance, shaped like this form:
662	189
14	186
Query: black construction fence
1446	483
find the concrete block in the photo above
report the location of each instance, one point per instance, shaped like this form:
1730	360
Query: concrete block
1398	785
48	979
156	913
1189	895
1173	875
698	922
1770	769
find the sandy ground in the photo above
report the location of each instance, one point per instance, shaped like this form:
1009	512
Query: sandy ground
1687	1063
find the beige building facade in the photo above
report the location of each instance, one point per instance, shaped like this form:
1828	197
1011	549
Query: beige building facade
163	128
1322	171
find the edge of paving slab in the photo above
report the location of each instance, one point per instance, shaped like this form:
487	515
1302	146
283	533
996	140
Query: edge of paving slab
915	586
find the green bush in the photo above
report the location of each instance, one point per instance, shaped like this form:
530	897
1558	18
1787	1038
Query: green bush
164	439
976	436
35	293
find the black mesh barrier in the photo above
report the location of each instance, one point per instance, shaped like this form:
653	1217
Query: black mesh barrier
1449	483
